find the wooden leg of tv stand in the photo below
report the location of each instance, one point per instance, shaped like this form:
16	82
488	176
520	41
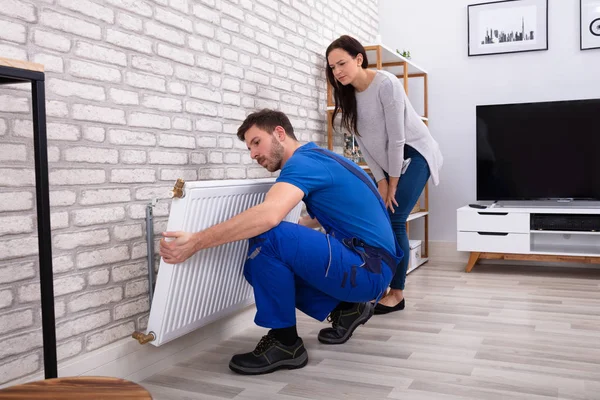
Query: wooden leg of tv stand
472	261
474	257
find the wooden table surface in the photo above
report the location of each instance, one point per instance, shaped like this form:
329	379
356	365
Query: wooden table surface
80	387
31	66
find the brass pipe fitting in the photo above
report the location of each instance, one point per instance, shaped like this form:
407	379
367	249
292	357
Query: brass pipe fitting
143	338
178	189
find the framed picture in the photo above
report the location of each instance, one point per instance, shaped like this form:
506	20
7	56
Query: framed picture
589	24
510	26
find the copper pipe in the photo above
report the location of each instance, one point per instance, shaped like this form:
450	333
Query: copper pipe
143	338
178	189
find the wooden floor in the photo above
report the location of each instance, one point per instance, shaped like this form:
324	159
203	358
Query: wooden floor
499	332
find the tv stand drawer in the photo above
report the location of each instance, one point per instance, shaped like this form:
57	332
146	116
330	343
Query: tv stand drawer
493	242
492	220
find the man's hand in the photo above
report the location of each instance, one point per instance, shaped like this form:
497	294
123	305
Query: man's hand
176	251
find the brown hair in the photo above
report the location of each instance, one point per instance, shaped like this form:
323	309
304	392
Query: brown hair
344	96
266	120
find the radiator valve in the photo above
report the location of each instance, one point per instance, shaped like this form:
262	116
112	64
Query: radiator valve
142	337
178	189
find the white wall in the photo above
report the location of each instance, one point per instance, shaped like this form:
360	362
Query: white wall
435	32
139	93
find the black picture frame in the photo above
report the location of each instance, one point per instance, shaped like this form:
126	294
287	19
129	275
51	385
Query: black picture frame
589	24
505	14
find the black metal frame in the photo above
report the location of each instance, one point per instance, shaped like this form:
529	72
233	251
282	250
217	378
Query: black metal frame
501	52
17	75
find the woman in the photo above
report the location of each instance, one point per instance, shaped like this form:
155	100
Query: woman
374	106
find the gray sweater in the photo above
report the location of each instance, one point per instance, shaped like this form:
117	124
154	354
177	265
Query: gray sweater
386	121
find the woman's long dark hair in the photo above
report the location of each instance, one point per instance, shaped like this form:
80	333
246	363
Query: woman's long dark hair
345	100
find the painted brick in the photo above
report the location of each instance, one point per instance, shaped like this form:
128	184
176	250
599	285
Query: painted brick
13	52
82	324
159	31
163	157
94	133
174	20
62	264
150	65
129	271
174	174
91	155
149	120
102	256
51	40
16	177
93	71
13	104
123	137
206	13
56	109
70	24
18	9
95	299
191	74
183	124
182	56
129	309
97	216
132	157
127	232
133	175
110	335
16	201
148	193
77	176
129	22
58	131
98	114
136	6
178	141
129	41
100	53
51	63
21	366
12	32
69	241
99	277
13	152
20	344
162	103
6	300
136	288
59	220
68	349
90	9
10	273
201	108
145	81
104	196
15	320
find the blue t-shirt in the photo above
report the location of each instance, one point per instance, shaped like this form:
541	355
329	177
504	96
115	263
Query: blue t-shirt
338	198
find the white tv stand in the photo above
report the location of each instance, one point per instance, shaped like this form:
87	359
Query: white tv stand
503	232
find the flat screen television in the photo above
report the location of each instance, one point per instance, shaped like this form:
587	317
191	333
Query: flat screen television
539	151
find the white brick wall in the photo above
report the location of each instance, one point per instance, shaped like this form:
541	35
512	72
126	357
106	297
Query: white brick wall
139	93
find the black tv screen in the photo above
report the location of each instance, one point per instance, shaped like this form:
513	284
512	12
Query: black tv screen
533	151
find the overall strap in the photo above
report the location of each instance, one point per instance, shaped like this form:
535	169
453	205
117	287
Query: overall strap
363	177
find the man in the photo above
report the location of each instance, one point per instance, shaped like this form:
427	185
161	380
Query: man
292	266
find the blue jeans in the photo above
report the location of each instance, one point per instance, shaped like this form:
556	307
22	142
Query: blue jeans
292	266
410	187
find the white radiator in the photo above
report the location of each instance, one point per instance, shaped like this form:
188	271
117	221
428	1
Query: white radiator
210	285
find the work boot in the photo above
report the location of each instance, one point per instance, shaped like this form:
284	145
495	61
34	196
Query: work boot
268	356
344	322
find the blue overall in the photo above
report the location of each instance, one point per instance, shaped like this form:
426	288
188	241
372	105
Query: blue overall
292	266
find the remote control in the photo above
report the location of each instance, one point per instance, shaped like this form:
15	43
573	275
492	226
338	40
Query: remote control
479	206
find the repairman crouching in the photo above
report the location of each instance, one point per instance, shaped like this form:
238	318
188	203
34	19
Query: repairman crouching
291	266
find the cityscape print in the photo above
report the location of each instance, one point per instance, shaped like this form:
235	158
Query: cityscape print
494	36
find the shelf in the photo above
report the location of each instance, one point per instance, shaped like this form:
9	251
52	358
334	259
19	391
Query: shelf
417	215
389	56
423	261
564	233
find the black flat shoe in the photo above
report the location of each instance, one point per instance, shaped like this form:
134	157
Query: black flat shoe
381	309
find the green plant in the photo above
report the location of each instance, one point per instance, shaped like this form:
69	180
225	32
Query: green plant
404	53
